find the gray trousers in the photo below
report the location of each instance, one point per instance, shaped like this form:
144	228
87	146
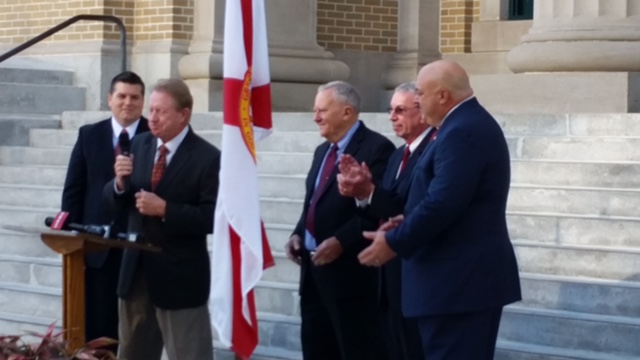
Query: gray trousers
145	329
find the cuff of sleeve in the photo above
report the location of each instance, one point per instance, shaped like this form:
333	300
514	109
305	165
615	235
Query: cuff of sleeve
115	189
363	203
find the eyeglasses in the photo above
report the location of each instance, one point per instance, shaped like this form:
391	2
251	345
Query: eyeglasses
399	110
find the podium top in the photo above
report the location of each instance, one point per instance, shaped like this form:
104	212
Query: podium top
64	242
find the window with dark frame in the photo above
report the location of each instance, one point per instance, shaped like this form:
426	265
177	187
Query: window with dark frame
520	9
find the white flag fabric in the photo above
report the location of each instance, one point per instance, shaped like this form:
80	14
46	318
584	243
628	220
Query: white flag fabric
240	247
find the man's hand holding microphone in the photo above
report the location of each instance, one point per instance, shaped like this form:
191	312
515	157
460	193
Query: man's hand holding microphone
147	203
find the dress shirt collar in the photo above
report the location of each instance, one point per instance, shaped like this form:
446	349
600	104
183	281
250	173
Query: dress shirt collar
342	143
417	141
172	144
117	128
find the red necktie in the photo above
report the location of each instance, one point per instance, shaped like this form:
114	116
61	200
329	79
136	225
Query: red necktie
117	151
159	166
405	158
325	173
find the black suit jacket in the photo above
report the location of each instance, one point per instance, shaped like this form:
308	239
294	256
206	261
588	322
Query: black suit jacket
388	200
455	247
178	277
90	167
337	216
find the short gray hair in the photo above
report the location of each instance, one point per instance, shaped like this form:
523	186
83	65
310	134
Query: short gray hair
344	92
408	87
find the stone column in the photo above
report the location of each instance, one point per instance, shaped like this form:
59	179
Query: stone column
580	35
418	40
162	33
297	63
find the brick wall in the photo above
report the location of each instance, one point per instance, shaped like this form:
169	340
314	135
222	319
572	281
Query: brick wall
367	25
21	20
456	18
163	19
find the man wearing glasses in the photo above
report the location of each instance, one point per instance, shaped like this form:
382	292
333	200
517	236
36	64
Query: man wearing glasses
402	338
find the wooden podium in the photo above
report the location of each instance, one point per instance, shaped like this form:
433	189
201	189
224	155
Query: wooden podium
72	247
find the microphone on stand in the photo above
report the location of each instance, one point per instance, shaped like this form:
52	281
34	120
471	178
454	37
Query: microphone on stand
59	223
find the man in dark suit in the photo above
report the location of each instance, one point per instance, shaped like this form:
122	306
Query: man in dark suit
401	335
90	168
338	296
169	189
458	264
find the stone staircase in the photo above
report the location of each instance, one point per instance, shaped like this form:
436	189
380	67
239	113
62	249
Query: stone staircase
571	215
32	95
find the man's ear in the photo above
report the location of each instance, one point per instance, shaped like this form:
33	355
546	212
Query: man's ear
348	111
186	115
443	96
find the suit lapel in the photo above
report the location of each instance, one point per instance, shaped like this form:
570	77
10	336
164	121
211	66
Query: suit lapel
143	126
390	181
315	168
146	162
414	158
351	149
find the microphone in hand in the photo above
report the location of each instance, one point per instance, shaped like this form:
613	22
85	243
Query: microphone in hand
124	143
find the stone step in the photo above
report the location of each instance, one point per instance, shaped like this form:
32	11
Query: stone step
279	331
22	270
512	124
16	155
25	245
511	350
40	99
572	229
280	211
571	260
35	76
573	173
285	272
213	120
278	235
275	182
26	217
278	141
30	195
614	149
261	353
572	331
14	128
580	294
277	163
42	175
522	198
50	196
277	298
17	324
31	300
587	201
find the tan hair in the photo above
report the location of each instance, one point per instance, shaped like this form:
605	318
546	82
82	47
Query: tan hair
178	90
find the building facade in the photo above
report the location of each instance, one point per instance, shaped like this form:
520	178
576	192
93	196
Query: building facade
375	44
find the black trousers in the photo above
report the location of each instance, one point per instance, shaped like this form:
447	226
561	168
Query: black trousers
339	328
401	336
101	301
462	336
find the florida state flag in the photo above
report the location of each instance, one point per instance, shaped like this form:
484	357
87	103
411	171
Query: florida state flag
240	247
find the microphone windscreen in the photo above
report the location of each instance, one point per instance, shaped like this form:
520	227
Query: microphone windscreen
125	143
58	222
